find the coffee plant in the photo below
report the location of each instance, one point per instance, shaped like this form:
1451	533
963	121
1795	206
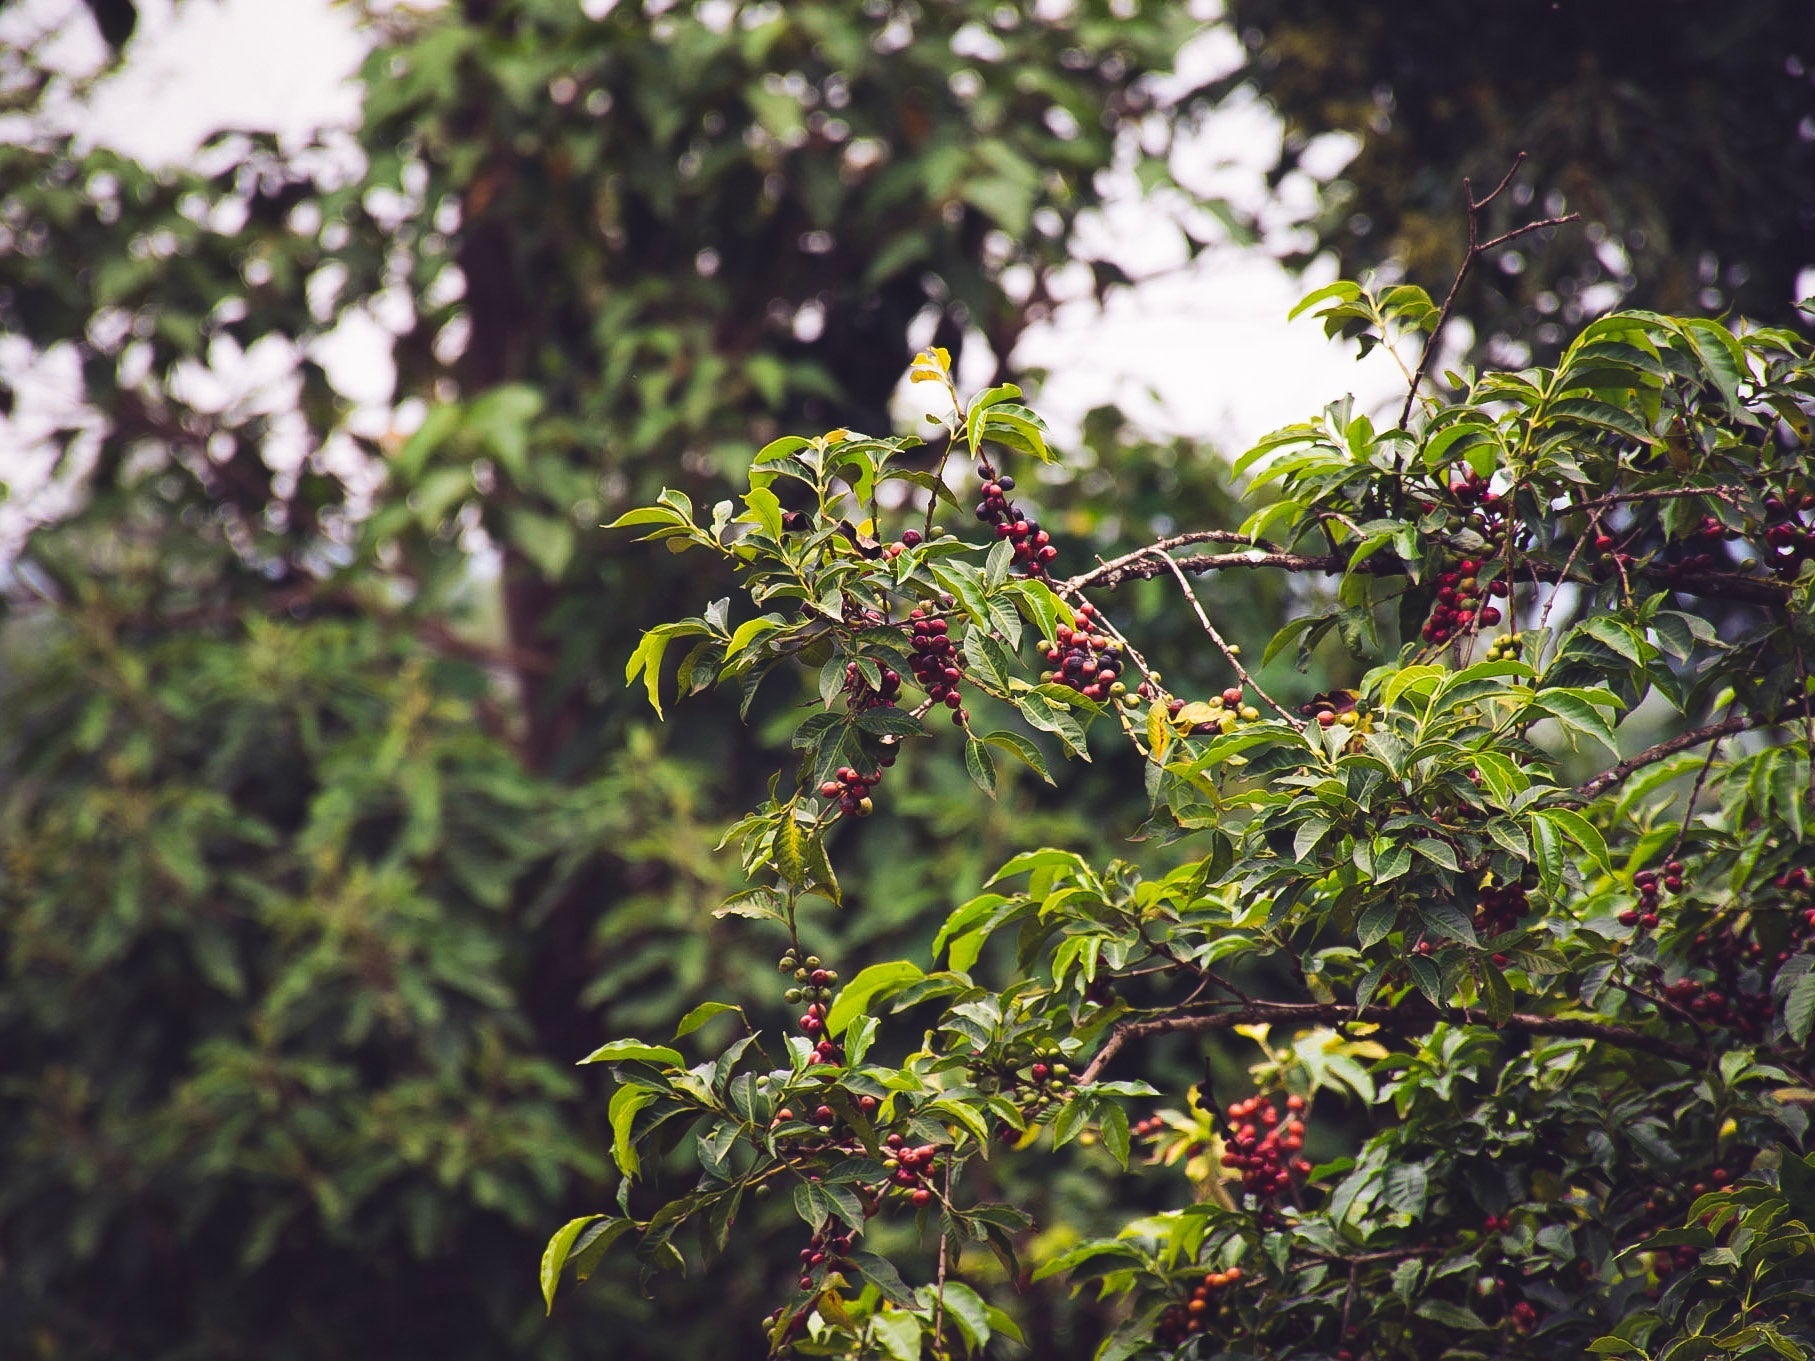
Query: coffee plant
1499	966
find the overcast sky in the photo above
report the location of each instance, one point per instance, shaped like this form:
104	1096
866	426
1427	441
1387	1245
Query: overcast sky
1203	350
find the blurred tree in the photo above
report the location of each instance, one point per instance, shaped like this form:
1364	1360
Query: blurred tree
1684	134
326	835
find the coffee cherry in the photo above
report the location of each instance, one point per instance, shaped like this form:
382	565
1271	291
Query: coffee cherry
1260	1142
1033	547
1082	659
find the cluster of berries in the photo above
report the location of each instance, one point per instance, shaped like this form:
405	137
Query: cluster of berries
1035	1085
935	662
1799	885
1710	529
1462	602
1788	540
1220	713
1193	1314
852	790
1047	1083
910	538
1749	1014
1505	648
813	985
861	695
1500	908
1669	1261
1666	1205
912	1170
1649	885
824	1249
1739	998
1331	709
1265	1147
1033	546
1523	1317
822	1115
1152	1127
1609	557
1082	660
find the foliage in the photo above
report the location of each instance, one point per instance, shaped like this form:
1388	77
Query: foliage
328	828
1686	152
1531	991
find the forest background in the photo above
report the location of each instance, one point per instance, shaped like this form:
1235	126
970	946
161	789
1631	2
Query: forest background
329	834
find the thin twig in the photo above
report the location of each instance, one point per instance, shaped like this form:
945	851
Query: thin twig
1722	493
1682	742
1331	1013
939	1350
1701	778
1103	569
1217	638
1550	601
1348	1301
1147	563
1664	1004
1476	249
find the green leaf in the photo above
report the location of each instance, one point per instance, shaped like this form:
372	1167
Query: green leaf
1375	922
1420	678
965	1116
1581	831
966	1308
1405	1187
881	1272
1497	993
871	984
1113	1125
1022	749
626	1102
791	849
980	765
554	1256
1341	291
647	659
634	1051
1576	715
777	449
889	721
1073	1116
1424	974
766	507
1437	852
1799	1008
899	1333
820	1201
1450	1315
704	1012
820	877
758	903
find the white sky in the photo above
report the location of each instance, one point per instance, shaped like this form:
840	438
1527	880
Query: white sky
1203	349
